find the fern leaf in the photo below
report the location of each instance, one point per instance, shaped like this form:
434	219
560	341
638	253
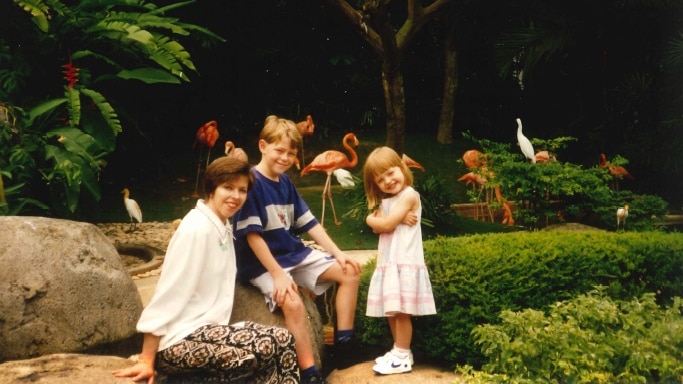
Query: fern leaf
106	110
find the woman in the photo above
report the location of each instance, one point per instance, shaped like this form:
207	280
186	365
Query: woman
186	324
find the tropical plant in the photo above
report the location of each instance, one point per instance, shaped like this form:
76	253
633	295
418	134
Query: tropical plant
65	128
557	191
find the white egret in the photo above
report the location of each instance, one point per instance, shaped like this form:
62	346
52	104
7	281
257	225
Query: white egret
622	214
524	143
133	209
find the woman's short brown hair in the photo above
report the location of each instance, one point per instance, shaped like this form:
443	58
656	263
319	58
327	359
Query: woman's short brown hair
226	169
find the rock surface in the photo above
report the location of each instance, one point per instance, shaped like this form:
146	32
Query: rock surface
93	369
63	288
64	368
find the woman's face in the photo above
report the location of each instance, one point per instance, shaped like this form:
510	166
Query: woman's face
228	197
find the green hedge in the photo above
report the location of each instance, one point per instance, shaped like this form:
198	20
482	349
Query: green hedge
476	277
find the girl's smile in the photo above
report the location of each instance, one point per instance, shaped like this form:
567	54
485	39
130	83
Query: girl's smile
391	181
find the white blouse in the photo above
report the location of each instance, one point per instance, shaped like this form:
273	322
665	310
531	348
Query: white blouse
197	283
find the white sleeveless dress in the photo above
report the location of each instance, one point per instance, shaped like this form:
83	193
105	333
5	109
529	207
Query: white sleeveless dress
400	283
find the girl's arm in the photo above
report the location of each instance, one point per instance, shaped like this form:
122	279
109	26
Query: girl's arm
399	212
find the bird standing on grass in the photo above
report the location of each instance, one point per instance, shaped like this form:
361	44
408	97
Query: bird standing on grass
206	135
525	144
305	128
622	214
133	209
328	162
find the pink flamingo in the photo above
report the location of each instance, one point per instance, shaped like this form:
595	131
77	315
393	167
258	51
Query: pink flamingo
328	162
305	128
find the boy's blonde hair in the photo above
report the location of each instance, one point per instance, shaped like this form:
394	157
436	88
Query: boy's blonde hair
276	128
378	162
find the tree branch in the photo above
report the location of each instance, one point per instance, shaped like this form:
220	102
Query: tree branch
418	17
360	22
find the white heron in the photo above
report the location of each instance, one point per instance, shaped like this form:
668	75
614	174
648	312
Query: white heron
133	209
524	143
622	214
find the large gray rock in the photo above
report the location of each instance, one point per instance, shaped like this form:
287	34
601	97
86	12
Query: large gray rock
63	288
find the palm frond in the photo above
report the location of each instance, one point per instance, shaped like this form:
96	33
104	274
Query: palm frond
674	51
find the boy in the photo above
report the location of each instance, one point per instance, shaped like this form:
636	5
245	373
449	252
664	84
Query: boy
273	257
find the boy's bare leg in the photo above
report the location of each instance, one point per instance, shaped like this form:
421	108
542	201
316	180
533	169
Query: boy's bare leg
347	295
295	322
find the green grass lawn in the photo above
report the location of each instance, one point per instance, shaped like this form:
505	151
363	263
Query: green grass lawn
168	195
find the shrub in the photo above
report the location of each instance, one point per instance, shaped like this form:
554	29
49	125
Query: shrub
474	278
589	339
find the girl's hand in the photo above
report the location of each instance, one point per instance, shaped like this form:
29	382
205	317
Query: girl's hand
283	285
410	219
140	371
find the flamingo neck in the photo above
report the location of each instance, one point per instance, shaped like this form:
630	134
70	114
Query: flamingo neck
354	156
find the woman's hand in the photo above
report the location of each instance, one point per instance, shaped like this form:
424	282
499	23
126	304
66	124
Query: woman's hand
140	371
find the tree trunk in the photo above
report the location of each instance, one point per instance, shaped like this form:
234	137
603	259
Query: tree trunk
444	133
394	98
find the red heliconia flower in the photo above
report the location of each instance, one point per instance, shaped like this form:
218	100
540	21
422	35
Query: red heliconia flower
70	74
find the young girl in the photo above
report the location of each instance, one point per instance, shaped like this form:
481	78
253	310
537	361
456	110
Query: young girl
400	286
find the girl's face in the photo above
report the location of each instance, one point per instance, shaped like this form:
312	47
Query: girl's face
277	157
391	181
228	197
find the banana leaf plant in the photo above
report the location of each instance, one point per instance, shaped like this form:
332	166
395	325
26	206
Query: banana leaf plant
58	141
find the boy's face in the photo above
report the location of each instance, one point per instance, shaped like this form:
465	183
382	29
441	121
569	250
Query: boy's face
277	157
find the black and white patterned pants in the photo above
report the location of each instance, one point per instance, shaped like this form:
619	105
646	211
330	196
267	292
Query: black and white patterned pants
244	353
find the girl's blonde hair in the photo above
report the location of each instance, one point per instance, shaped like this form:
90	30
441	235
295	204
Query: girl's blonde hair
276	128
378	162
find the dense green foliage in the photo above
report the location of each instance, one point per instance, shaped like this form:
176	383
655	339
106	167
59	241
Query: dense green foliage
57	127
588	339
474	278
559	191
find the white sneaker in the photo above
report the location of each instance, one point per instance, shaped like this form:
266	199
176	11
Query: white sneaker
389	354
391	364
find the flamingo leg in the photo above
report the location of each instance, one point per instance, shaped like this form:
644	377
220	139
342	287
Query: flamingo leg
303	157
327	185
329	195
488	202
199	167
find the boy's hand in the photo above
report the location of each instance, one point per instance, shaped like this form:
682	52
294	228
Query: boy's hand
283	285
348	265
